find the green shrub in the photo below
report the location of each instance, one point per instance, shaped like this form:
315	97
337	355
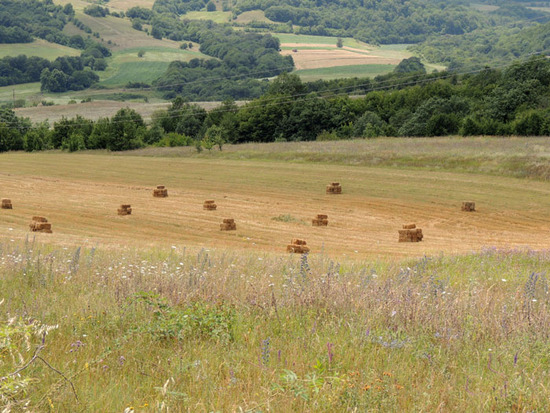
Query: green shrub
173	139
327	136
200	320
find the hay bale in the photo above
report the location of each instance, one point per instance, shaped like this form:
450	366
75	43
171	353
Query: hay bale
297	246
468	206
298	249
410	235
160	192
6	203
322	216
125	209
319	222
40	224
409	226
334	188
228	226
209	205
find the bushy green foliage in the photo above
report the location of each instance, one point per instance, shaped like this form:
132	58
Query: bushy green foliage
240	59
199	320
173	139
96	11
382	22
487	46
21	20
410	65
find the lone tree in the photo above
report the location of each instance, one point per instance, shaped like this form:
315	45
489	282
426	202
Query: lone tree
339	42
210	6
410	65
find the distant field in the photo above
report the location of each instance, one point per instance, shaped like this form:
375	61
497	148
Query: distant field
544	9
90	110
315	58
215	16
127	4
319	40
79	194
253	15
121	34
135	72
39	47
337	72
318	57
114	5
484	7
78	5
126	66
99	108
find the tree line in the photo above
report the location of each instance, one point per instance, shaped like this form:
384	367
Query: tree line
498	45
510	101
64	73
386	22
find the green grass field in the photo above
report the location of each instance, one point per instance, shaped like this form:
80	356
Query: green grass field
40	48
136	71
253	15
338	72
126	66
216	16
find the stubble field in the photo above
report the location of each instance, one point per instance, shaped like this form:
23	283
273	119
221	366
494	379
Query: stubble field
272	201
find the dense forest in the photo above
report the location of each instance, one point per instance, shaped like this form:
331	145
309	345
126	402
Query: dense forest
22	20
375	22
509	101
498	45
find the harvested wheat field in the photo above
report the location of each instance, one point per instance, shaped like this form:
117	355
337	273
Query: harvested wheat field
306	58
80	194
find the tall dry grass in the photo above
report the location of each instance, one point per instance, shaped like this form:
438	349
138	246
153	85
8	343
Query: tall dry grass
200	330
521	157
